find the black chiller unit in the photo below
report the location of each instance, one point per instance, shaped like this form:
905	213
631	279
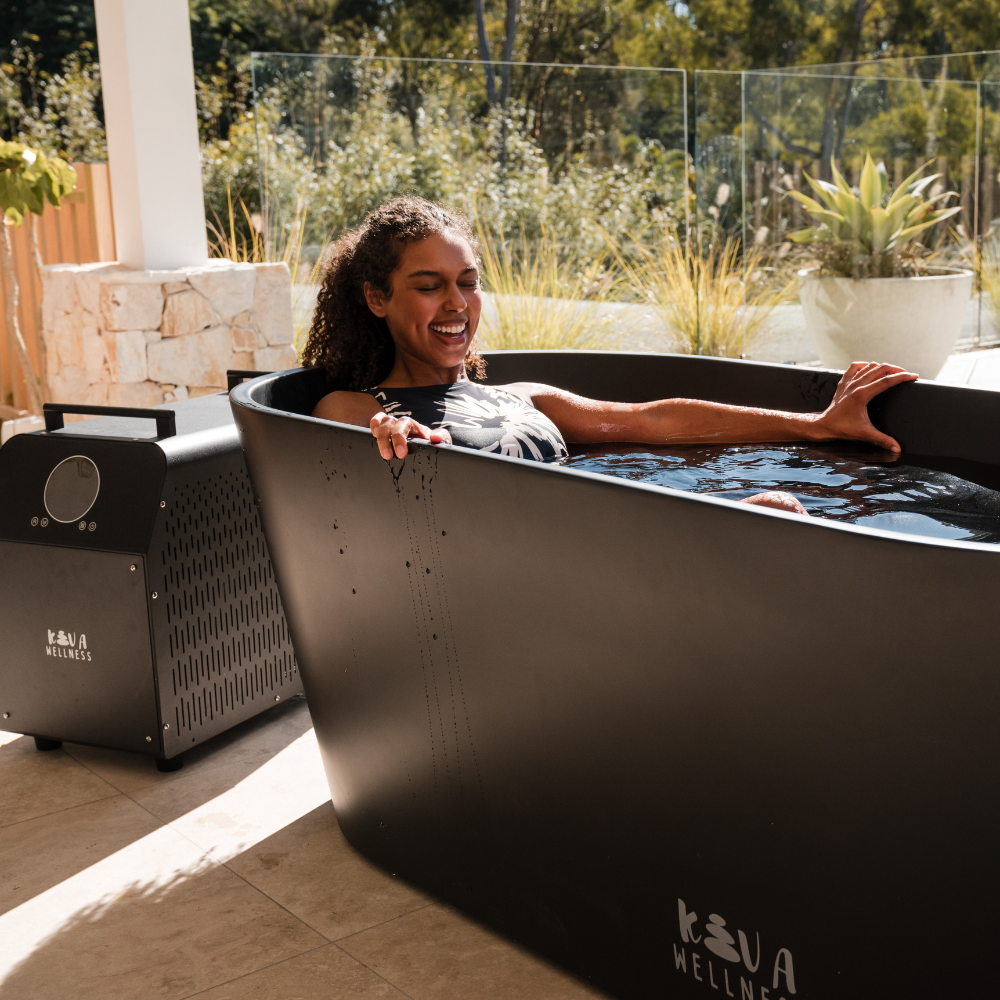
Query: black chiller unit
138	602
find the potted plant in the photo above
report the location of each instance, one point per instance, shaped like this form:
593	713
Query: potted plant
873	295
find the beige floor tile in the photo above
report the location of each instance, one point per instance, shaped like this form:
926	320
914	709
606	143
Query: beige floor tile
324	974
155	920
311	870
437	954
247	745
188	790
33	783
233	813
40	853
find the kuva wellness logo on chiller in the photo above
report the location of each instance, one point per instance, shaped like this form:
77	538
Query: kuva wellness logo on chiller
728	975
68	645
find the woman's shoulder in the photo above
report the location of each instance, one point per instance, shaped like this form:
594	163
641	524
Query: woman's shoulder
347	407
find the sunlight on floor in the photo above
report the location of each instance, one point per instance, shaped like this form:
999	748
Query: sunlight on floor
287	787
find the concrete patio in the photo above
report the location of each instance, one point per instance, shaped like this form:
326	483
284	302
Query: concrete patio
976	368
225	880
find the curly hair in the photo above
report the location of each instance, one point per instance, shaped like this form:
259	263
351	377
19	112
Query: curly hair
347	339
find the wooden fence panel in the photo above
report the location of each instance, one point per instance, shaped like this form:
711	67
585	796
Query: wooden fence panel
80	232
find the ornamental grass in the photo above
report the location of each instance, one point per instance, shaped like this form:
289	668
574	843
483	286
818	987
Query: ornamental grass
710	299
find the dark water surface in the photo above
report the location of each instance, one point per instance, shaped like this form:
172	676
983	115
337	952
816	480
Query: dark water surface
916	494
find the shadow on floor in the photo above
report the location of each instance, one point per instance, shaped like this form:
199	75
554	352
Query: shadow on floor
69	810
200	927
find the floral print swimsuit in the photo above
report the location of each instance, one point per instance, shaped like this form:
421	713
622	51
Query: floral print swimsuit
479	416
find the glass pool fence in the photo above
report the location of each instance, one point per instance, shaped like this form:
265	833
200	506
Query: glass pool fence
581	186
759	134
560	168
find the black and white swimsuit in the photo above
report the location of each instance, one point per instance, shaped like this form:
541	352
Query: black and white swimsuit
478	416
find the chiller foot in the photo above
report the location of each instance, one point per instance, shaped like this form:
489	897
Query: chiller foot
43	744
173	764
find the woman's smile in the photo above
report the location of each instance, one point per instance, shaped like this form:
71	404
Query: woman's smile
451	333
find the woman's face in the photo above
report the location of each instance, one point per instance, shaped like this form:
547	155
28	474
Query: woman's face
436	300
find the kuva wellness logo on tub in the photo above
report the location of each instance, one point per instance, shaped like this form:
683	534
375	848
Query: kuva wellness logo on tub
68	645
730	971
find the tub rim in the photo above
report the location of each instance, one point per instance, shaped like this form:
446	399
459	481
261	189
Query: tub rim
242	397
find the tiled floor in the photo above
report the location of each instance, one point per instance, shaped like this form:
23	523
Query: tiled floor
976	368
227	879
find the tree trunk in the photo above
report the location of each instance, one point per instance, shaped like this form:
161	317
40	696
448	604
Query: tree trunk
508	49
833	131
17	345
31	231
484	52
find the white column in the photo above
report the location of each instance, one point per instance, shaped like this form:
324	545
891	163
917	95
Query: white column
147	74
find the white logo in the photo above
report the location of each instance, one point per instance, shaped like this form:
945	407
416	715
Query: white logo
67	645
721	943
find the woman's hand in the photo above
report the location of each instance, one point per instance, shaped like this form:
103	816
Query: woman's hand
777	499
392	433
847	415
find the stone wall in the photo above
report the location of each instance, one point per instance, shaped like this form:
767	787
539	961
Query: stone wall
138	338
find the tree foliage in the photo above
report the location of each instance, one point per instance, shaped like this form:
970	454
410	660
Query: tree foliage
29	179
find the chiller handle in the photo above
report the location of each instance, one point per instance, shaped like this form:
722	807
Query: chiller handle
166	423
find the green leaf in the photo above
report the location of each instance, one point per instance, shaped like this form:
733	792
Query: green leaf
811	236
33	198
918	189
12	156
838	180
881	228
899	210
831	218
883	180
12	200
935	217
904	186
945	213
938	197
65	175
870	187
811	205
828	192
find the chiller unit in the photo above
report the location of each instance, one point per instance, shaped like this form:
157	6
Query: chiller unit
138	600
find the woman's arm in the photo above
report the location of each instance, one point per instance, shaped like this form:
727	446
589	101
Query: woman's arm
694	421
390	432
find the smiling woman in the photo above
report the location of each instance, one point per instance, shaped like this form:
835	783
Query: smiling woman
395	330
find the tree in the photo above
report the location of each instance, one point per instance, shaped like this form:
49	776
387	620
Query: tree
53	28
28	179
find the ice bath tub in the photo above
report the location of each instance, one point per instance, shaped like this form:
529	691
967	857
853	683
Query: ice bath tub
684	747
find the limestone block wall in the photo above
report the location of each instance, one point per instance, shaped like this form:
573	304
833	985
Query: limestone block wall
119	337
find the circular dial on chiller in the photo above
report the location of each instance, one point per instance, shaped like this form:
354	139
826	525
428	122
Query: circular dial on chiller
71	489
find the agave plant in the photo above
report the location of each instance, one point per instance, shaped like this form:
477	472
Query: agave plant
866	219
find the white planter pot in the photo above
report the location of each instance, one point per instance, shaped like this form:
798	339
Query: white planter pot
910	322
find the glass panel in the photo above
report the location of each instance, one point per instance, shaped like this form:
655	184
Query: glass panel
577	150
759	134
559	166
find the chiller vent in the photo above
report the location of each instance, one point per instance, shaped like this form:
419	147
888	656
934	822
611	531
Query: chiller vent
226	638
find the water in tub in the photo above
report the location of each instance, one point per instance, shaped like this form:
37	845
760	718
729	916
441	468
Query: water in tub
916	494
